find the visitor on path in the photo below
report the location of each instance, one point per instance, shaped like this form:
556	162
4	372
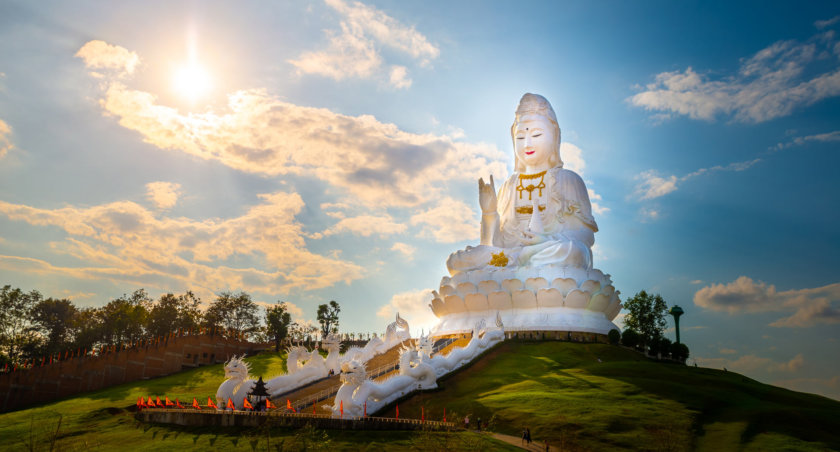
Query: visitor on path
524	436
467	422
528	436
478	424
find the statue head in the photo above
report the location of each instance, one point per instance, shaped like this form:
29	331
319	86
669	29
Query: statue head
535	134
237	368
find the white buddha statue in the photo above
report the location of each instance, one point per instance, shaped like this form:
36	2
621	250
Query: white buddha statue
542	213
533	268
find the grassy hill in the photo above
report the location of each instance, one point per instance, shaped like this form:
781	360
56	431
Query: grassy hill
563	393
103	420
559	390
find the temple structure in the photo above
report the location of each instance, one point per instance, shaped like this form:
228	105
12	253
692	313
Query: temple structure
533	266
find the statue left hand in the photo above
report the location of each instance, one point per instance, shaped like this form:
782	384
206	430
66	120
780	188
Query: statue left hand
532	238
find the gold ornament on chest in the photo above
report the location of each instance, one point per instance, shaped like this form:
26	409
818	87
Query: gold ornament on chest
531	187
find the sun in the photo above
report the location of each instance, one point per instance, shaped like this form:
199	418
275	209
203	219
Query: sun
192	82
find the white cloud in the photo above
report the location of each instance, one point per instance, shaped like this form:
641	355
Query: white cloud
449	221
367	225
5	138
405	249
653	185
163	194
374	162
126	243
696	281
354	51
399	77
820	24
753	363
770	84
828	137
572	157
809	307
101	55
413	307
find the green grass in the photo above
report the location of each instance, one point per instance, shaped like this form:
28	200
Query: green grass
557	389
103	420
562	393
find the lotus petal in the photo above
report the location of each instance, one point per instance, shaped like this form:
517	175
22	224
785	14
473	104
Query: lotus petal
598	303
454	304
549	297
577	299
465	288
499	300
535	284
524	299
446	291
511	285
439	307
488	286
590	286
476	302
564	285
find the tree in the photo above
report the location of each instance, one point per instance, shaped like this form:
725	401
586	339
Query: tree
630	338
54	320
614	336
328	318
124	319
172	313
679	351
277	322
233	311
88	329
646	316
16	335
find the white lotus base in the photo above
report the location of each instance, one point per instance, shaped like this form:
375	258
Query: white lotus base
534	319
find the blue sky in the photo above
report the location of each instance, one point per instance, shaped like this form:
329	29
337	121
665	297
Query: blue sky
334	150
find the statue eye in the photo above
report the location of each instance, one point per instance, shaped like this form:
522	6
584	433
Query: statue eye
536	135
520	138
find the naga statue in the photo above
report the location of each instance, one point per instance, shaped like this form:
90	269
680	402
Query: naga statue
237	384
534	262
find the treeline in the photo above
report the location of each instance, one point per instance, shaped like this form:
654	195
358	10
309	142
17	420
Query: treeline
34	329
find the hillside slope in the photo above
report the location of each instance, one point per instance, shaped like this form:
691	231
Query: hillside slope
564	394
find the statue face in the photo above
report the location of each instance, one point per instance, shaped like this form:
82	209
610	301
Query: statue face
535	141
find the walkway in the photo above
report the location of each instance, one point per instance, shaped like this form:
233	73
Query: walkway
534	446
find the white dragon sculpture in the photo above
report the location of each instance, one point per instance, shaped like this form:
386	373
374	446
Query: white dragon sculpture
237	386
356	389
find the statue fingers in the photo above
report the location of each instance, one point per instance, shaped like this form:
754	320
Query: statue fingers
492	184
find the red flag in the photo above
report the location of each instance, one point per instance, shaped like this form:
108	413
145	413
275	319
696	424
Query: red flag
150	403
268	404
178	404
169	402
43	360
230	404
341	407
247	404
444	414
313	408
422	414
365	408
195	404
139	403
290	407
6	367
398	411
211	403
85	353
158	402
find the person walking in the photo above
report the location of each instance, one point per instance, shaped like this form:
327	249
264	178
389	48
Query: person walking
467	422
478	422
528	436
524	436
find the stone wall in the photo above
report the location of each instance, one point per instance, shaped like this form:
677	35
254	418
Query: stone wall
61	379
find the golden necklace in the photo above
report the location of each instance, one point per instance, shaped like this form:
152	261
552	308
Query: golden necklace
531	187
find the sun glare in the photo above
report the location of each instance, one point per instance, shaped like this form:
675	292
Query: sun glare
192	82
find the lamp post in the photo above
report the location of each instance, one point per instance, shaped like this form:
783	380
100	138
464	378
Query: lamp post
676	311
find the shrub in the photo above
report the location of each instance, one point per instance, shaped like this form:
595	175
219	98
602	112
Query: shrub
614	336
630	338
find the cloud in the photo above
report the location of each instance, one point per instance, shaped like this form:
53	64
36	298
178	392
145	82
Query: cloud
652	185
399	77
101	55
809	306
820	24
572	157
5	138
829	137
405	249
727	351
752	363
413	306
696	281
354	51
367	225
124	242
770	84
449	221
374	162
829	387
163	194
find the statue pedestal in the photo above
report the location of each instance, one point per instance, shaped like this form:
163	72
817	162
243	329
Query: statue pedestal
545	298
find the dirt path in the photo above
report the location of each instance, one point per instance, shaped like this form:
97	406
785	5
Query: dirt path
536	446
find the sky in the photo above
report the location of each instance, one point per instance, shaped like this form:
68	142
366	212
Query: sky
329	150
